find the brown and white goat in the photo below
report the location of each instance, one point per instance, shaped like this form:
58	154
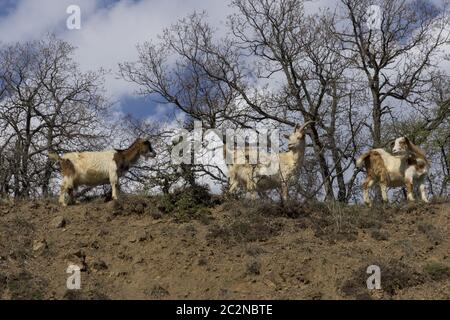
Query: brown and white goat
276	173
406	166
98	168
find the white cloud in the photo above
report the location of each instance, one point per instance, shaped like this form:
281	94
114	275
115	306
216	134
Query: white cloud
33	19
108	35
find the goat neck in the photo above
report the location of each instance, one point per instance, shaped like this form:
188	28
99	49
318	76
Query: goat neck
298	150
127	157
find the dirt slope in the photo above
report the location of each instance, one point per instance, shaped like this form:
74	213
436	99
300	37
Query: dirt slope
233	250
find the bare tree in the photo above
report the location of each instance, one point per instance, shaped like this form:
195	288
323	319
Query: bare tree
395	59
279	65
210	78
48	104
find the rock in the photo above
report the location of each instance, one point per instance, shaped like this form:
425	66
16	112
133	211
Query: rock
58	222
96	264
3	279
156	214
77	257
99	265
34	205
157	292
139	236
102	232
139	260
144	236
274	279
116	208
39	245
202	261
270	283
78	253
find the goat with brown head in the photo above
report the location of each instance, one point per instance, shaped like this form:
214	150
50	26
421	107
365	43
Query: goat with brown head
406	166
98	168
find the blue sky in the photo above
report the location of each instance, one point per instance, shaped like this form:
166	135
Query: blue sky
6	6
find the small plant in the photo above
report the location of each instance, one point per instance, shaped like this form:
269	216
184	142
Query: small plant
244	229
431	232
254	250
379	235
26	286
437	271
202	261
254	268
159	292
395	275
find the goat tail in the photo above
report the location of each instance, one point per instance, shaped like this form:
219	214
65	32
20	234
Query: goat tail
54	156
360	162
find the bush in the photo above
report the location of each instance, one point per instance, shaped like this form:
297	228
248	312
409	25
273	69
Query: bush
254	268
437	271
190	203
431	232
244	229
395	275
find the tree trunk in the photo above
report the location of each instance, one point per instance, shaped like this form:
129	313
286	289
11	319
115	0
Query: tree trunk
48	168
324	171
376	132
376	113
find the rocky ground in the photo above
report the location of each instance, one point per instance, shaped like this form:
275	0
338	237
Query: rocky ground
155	248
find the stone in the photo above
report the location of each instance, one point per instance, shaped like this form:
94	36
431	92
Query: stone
96	264
39	245
58	222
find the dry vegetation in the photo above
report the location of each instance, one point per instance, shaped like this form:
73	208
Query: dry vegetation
141	247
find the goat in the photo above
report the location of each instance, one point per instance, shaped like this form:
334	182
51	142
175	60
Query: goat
407	165
98	168
278	173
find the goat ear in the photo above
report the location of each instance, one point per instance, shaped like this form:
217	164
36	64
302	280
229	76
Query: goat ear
410	144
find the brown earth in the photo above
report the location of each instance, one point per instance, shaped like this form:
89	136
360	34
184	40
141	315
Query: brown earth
133	249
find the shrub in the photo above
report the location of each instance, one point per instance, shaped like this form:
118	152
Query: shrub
188	203
395	275
254	268
437	271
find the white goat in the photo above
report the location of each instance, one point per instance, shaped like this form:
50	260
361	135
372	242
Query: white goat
277	173
97	168
406	166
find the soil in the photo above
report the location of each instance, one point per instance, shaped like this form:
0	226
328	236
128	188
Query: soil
132	249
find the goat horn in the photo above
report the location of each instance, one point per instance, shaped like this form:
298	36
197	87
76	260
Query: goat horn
306	124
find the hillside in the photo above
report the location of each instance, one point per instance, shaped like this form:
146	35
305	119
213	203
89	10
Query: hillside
135	249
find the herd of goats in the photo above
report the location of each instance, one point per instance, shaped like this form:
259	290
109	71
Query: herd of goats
405	166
